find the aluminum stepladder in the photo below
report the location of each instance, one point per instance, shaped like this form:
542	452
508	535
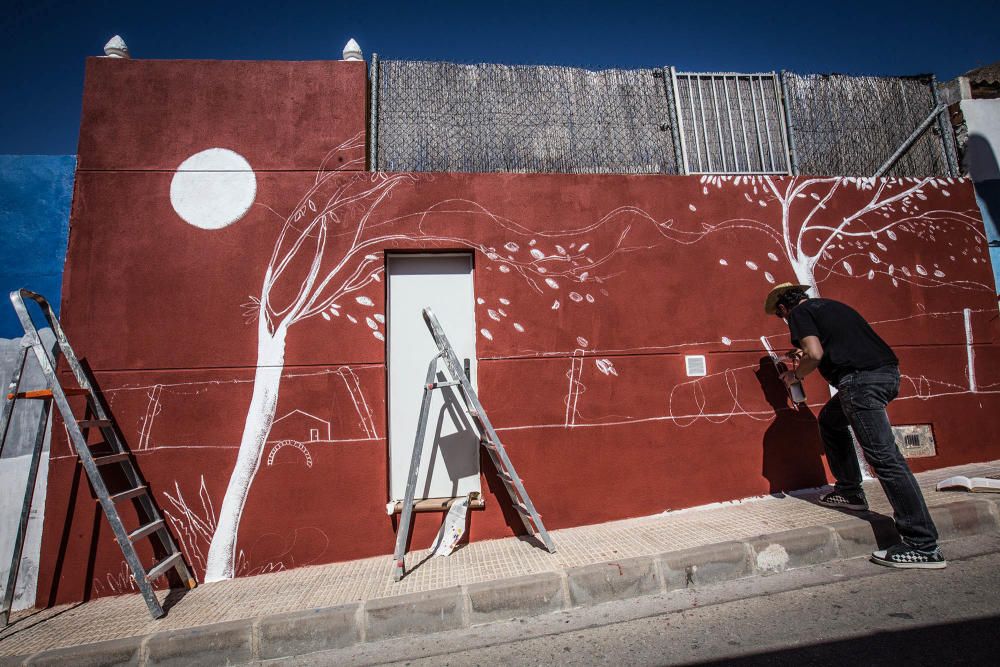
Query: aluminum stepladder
118	457
489	440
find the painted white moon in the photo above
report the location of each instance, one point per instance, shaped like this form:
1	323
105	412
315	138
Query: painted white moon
213	189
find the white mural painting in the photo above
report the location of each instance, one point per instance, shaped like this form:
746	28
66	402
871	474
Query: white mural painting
328	254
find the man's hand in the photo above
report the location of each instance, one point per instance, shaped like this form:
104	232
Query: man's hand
794	354
788	377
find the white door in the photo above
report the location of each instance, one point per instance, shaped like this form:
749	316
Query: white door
449	464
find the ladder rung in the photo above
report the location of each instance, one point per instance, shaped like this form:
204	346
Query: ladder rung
163	566
523	510
111	458
439	385
126	495
143	531
94	423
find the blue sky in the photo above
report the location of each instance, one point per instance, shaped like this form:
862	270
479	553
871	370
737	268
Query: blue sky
44	42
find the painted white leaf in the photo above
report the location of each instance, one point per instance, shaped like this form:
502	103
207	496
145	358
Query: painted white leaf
606	367
768	277
486	334
561	250
364	301
353	319
583	247
325	316
891	234
906	271
502	312
692	207
504	301
518	328
723	262
881	246
771	256
751	265
511	246
892	269
371	323
532	242
555	305
939	274
582	342
871	274
590	298
874	258
726	340
372	258
378	335
847	267
551	283
380	318
504	268
493	314
480	300
537	254
921	270
575	297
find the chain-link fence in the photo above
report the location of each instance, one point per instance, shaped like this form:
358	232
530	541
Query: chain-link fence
852	124
436	116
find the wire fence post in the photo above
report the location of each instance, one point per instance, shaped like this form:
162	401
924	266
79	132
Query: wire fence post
373	85
793	158
670	89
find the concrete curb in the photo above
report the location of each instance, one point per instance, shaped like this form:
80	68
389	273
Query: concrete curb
302	632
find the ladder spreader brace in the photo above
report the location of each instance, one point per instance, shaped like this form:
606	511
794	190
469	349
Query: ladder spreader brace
119	456
488	439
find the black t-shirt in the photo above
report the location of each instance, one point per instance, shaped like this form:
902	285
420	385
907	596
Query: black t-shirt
849	343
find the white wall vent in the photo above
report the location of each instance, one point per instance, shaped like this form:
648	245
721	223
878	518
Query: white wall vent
695	364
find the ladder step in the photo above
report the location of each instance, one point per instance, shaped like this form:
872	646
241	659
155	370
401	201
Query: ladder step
47	393
111	458
127	495
163	566
143	531
94	423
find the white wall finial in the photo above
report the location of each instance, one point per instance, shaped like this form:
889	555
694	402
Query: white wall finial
116	48
352	51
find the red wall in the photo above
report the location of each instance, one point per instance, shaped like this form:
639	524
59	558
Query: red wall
645	270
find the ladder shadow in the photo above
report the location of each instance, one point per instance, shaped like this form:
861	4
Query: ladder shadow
116	481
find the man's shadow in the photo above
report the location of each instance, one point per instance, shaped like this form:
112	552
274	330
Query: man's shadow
792	447
793	453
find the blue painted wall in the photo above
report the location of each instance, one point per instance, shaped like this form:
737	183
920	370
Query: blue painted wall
35	196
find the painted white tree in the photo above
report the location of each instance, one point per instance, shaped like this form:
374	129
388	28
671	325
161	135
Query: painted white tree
329	252
856	244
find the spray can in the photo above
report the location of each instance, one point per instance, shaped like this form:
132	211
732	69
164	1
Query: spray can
796	391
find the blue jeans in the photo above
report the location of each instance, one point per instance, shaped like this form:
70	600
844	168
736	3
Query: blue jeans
860	403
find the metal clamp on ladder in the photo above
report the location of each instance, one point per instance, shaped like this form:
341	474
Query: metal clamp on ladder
488	439
93	463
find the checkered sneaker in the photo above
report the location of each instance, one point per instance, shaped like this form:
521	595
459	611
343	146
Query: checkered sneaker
844	501
905	557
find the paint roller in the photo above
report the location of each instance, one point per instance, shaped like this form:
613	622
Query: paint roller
795	390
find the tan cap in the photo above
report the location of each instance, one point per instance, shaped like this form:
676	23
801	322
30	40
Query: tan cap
770	304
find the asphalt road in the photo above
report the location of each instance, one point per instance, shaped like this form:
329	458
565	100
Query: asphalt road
851	612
